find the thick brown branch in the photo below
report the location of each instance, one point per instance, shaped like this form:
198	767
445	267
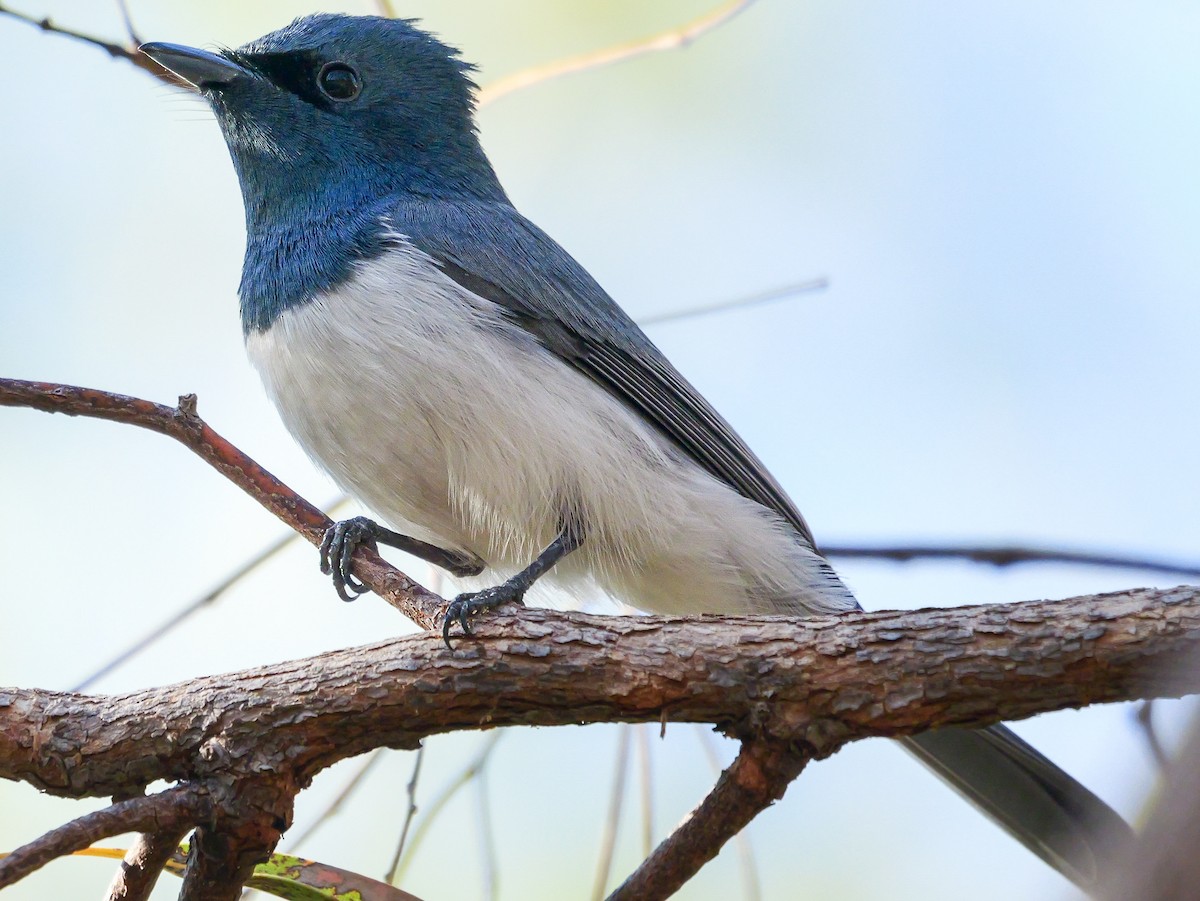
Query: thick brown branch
185	426
222	856
176	807
816	683
757	778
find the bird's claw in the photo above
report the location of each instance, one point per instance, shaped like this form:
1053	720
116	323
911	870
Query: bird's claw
337	549
468	604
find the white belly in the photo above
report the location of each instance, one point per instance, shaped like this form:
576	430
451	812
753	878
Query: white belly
456	427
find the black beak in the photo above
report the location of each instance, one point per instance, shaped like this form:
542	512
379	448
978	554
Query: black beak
201	68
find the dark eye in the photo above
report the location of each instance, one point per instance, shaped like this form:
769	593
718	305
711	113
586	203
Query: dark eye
339	82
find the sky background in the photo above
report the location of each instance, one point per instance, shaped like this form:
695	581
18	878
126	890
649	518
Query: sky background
1004	198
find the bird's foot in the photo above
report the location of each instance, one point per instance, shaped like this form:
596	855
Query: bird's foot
338	545
468	604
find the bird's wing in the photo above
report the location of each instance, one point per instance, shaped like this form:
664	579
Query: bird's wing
493	251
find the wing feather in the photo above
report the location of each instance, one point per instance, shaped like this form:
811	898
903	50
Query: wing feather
549	294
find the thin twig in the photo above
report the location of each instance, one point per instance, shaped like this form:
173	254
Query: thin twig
411	811
1145	719
128	52
185	613
487	840
757	778
130	31
175	807
670	39
612	821
781	293
646	783
464	777
143	864
184	425
1011	555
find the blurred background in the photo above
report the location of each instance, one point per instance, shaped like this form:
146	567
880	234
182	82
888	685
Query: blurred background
1005	200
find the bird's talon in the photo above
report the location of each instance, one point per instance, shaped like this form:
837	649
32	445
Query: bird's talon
337	548
463	607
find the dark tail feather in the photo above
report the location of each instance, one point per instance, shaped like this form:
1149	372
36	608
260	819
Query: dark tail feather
1040	805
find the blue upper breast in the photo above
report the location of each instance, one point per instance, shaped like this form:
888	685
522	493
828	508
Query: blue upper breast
289	263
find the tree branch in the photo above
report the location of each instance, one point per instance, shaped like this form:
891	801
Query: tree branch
184	425
671	39
1010	556
174	808
815	684
128	52
757	778
256	808
143	864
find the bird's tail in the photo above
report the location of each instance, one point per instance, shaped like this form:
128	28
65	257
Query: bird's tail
1041	806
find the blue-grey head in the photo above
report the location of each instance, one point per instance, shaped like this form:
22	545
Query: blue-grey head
333	110
332	123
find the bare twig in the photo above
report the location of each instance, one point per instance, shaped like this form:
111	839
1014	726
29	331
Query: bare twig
438	804
128	52
487	840
176	807
757	778
646	783
130	31
612	821
671	39
750	300
144	863
185	426
181	616
1145	718
1011	555
410	812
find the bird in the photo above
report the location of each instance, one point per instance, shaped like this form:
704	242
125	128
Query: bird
458	372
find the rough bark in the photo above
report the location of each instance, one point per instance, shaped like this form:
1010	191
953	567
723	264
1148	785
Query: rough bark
813	684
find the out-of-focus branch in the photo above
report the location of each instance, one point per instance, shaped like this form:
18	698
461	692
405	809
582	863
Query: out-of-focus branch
184	425
1163	864
169	810
670	39
1001	555
756	779
127	20
405	855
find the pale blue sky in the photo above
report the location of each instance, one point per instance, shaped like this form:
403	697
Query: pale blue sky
1004	197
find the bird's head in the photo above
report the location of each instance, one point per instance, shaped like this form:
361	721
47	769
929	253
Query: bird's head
335	110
